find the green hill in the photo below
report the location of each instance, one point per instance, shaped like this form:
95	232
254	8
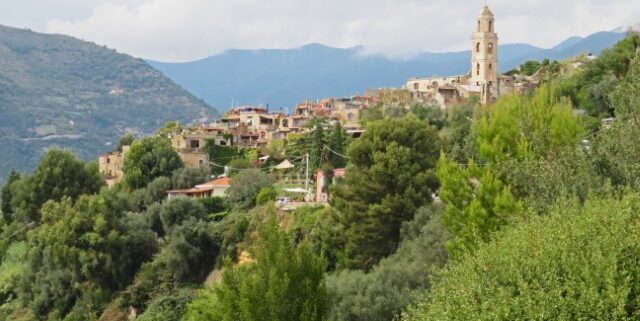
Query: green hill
60	91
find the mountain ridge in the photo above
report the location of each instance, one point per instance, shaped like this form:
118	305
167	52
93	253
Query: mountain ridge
59	91
283	77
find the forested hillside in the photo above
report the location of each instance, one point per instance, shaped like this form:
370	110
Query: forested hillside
58	91
525	209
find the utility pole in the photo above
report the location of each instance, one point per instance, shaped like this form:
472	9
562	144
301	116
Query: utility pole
306	181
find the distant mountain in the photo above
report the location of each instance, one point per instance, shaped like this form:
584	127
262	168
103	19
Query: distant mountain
281	78
60	91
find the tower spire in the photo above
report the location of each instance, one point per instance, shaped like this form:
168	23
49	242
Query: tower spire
484	55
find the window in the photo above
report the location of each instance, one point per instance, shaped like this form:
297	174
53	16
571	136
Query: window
490	26
285	123
490	48
478	47
478	25
416	86
478	69
490	67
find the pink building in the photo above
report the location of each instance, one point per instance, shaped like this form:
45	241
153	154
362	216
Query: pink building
323	183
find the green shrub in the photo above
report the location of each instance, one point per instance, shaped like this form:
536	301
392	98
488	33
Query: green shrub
578	263
214	205
266	195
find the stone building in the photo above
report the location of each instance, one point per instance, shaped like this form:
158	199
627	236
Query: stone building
110	166
482	81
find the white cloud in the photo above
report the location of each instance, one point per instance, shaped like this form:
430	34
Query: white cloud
178	30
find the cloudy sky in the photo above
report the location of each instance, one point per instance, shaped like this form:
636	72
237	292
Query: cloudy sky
182	30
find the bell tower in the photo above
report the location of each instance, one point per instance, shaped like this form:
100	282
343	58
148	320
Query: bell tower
484	55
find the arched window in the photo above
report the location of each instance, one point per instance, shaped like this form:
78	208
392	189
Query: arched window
478	69
490	48
490	26
477	47
478	25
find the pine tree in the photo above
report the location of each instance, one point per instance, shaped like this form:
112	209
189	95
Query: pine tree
337	143
7	195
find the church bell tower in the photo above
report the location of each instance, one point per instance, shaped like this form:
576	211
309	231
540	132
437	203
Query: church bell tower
484	56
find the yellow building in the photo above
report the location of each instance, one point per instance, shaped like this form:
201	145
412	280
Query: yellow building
111	165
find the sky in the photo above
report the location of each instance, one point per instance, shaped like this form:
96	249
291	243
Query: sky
185	30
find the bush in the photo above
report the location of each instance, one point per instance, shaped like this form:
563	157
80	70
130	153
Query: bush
396	281
168	308
286	282
189	177
214	205
246	185
266	195
578	263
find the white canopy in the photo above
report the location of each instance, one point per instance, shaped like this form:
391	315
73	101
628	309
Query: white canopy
295	190
284	165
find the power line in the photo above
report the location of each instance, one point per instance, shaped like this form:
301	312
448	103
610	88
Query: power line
246	169
333	151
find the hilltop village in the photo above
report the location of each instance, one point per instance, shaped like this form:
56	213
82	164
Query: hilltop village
257	126
482	196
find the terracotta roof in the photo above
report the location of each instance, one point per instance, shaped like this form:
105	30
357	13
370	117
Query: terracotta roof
220	182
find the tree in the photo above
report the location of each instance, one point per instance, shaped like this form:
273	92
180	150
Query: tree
266	195
392	176
431	113
477	204
286	282
147	159
214	205
617	156
521	127
577	263
59	174
245	186
189	254
189	177
530	67
317	141
82	252
168	308
169	127
125	140
337	142
155	191
398	280
236	165
457	140
179	209
7	196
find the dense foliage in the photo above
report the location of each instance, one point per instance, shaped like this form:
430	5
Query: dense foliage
60	174
391	176
147	159
577	263
523	209
286	282
397	280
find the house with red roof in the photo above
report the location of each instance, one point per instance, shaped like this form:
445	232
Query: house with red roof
215	188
